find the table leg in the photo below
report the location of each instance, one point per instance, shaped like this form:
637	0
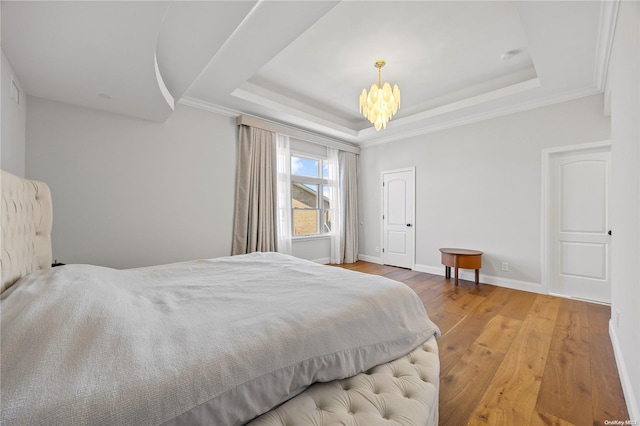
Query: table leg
477	276
447	272
455	265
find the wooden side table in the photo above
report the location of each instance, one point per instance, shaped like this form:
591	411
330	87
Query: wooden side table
461	258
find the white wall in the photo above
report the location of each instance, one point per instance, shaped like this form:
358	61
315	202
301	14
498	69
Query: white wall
479	186
624	80
129	192
12	135
317	249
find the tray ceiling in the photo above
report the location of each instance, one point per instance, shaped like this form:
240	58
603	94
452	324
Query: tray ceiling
305	63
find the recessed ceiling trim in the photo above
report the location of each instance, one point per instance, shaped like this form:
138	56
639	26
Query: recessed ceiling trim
477	89
253	97
208	106
266	96
163	88
498	112
534	83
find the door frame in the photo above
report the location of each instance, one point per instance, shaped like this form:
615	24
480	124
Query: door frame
413	178
547	155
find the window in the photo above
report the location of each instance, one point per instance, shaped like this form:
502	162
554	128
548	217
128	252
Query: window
310	202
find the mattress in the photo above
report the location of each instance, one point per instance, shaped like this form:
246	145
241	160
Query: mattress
215	341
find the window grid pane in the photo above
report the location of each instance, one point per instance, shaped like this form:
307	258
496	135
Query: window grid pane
302	166
304	195
305	221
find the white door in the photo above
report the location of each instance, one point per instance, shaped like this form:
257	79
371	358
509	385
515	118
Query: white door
579	225
398	218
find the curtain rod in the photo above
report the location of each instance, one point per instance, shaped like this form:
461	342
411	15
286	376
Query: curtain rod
272	126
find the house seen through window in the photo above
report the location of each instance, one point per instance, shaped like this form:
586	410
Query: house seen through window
310	203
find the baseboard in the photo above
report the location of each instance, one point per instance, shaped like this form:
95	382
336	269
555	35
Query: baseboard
625	381
469	275
371	259
322	260
430	269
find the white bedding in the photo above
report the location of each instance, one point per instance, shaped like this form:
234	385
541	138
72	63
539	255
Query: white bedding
204	342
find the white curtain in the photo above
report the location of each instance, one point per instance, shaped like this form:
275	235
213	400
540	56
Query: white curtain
343	190
283	154
336	214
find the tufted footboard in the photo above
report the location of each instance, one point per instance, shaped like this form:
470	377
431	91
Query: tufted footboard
401	392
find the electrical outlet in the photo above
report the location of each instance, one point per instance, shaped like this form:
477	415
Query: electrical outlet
505	266
377	249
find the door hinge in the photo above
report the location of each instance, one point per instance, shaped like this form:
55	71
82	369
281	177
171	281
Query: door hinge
382	183
383	249
382	217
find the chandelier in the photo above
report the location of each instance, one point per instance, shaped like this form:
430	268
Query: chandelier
381	103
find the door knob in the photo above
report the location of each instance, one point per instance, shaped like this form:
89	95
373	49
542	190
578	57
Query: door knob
409	225
609	232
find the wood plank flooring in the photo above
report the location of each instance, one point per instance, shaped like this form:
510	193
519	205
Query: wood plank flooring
510	357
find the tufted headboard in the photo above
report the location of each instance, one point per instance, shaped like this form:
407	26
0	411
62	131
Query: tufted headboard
27	217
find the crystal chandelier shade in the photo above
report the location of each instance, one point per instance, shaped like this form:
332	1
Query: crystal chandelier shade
381	103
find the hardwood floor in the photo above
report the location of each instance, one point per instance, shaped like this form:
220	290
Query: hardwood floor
510	357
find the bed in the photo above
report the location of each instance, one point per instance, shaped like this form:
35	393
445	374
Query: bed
260	339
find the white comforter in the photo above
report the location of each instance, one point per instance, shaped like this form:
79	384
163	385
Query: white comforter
204	342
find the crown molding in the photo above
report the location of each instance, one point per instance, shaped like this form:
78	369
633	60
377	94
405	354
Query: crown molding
208	106
606	31
498	112
276	101
524	86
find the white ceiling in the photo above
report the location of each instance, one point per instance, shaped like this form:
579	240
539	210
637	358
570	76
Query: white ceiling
305	63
